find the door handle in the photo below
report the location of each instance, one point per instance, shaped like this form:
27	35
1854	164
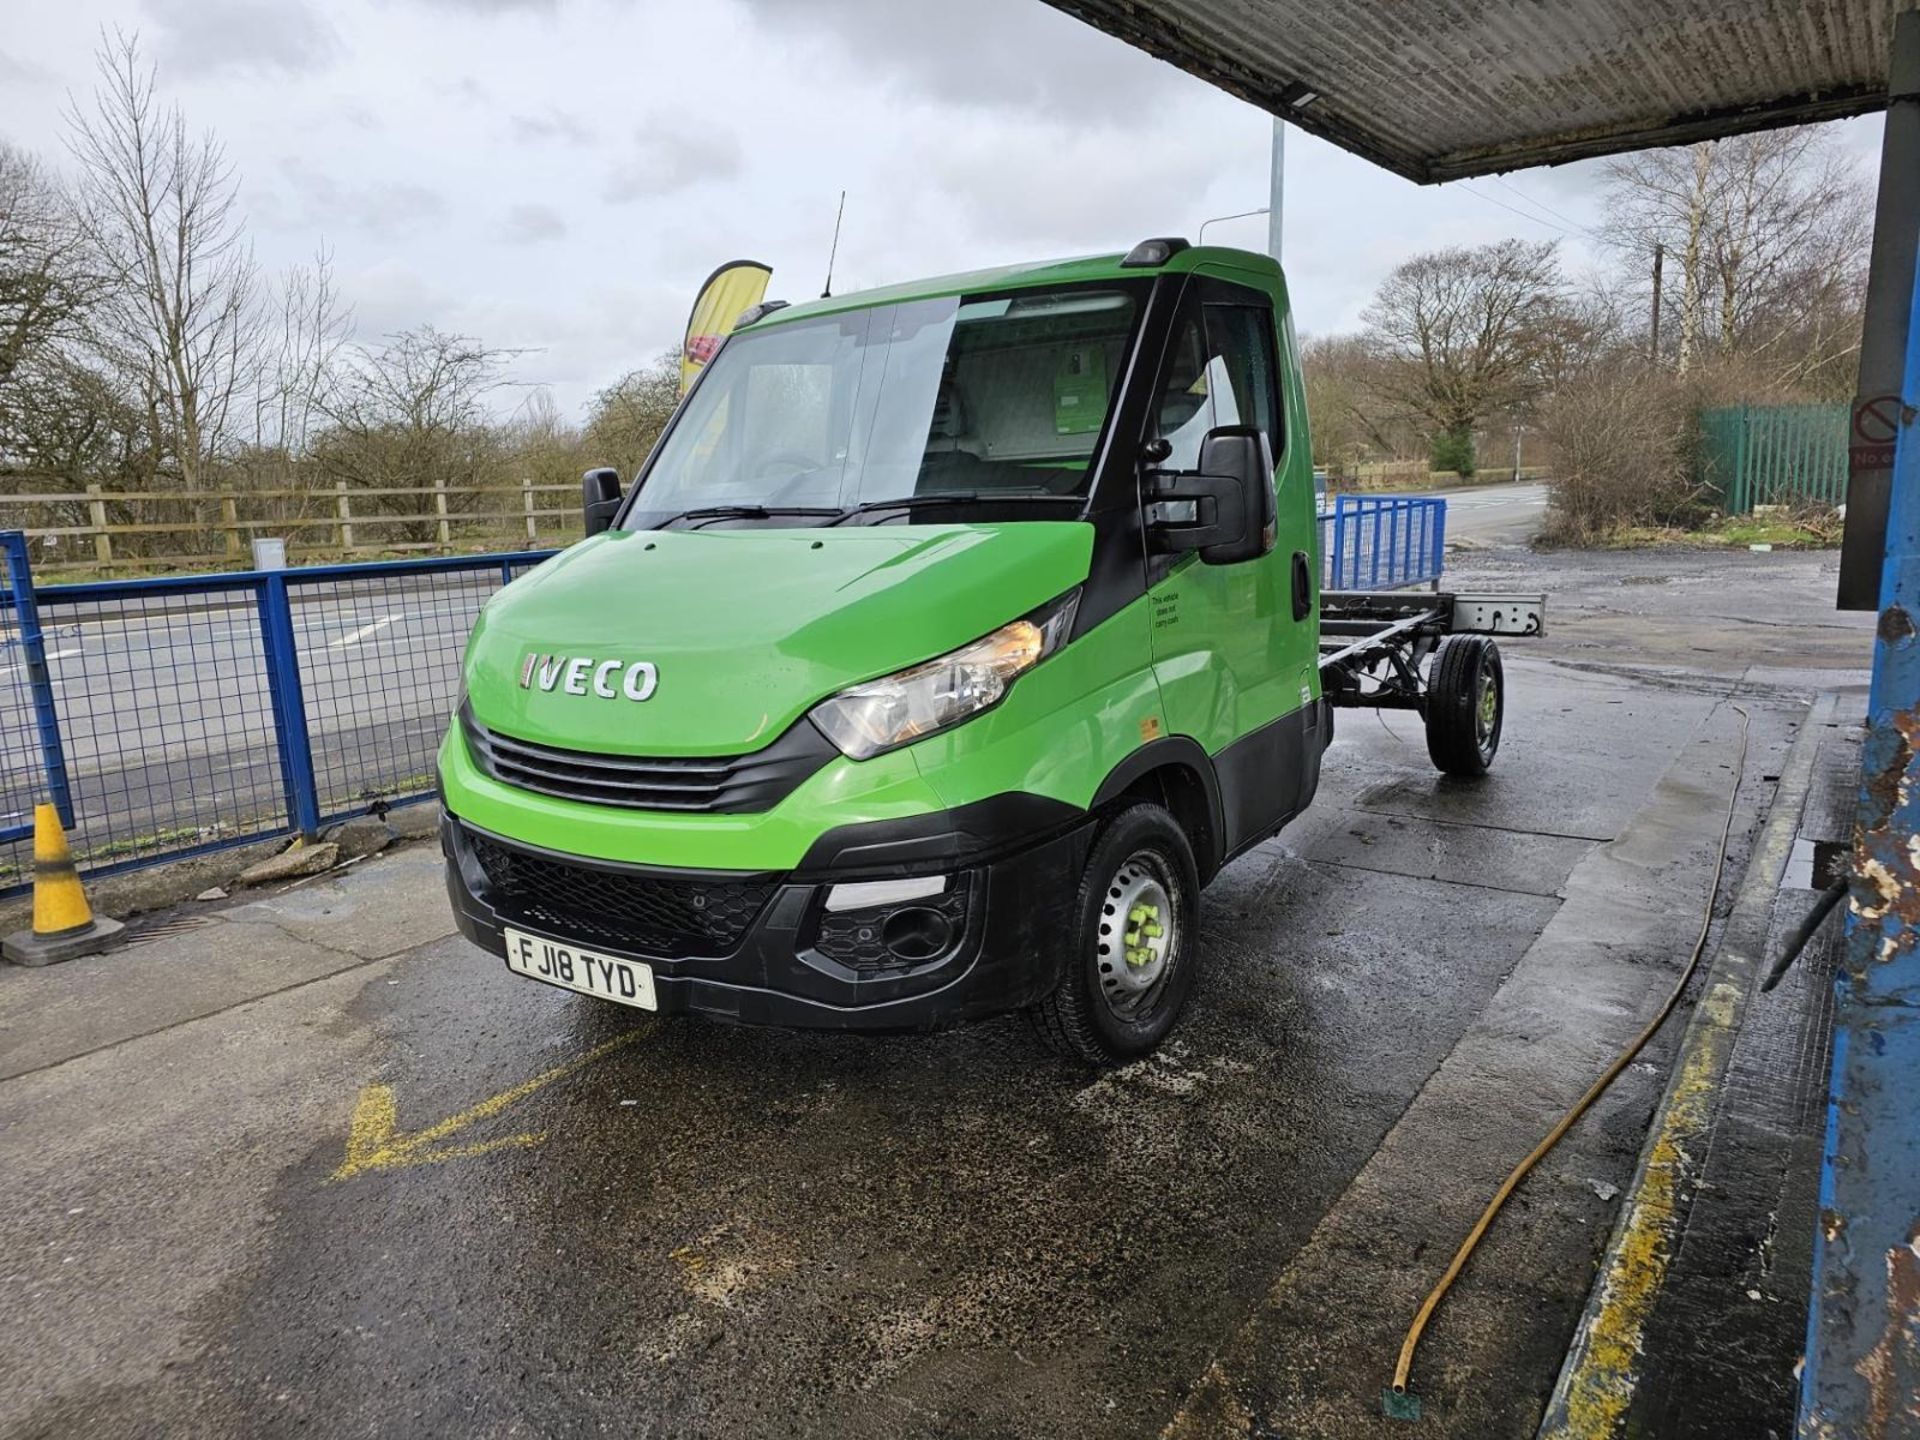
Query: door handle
1302	585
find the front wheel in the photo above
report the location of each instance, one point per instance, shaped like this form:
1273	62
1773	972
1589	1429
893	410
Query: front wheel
1133	949
1466	705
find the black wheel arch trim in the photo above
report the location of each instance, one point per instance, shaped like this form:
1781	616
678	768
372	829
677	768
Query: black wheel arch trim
1186	753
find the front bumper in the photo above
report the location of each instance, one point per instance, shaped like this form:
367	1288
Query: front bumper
761	948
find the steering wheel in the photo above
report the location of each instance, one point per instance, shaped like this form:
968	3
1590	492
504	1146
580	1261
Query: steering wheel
800	464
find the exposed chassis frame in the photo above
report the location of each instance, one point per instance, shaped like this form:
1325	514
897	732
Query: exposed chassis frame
1374	645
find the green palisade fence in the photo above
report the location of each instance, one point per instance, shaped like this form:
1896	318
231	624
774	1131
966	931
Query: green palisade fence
1774	455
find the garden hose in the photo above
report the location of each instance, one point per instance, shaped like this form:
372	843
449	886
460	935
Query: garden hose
1580	1107
1807	929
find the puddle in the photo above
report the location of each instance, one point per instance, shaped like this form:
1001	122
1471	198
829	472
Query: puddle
1815	864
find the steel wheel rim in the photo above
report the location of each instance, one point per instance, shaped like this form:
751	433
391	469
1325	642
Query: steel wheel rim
1486	714
1138	940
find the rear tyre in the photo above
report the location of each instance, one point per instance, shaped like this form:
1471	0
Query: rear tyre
1131	966
1466	705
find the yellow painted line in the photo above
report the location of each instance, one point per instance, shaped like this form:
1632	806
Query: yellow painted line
375	1141
1601	1386
1597	1387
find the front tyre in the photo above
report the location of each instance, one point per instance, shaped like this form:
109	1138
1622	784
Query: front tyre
1131	965
1466	705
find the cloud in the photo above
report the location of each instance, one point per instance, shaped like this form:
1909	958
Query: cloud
667	156
205	37
531	224
381	209
1017	54
551	124
392	296
22	72
1021	186
499	7
468	90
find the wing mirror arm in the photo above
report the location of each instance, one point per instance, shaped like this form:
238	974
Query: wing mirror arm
1226	510
1193	512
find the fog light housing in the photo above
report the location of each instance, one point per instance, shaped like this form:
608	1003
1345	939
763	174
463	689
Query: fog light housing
916	933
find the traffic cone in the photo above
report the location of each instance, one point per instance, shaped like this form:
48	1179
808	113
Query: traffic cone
64	925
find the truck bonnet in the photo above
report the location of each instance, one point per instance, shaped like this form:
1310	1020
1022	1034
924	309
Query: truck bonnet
713	642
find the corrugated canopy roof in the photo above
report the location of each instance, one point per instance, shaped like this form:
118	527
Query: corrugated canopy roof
1442	89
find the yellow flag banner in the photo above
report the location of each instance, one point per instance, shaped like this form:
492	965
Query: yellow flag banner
735	287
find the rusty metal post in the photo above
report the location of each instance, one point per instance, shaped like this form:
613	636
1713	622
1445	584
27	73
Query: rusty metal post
1862	1373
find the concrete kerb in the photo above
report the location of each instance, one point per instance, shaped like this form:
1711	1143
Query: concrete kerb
1601	1374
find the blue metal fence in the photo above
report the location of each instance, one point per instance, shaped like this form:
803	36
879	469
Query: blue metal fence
175	716
180	715
1382	542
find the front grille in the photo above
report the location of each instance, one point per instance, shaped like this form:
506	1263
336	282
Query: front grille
628	910
709	784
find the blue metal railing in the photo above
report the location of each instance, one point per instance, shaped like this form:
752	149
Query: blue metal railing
1382	542
185	714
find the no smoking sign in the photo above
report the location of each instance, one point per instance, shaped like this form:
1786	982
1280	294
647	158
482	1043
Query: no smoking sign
1876	424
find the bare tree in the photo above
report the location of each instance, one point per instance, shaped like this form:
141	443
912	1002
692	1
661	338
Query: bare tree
1463	332
178	309
1351	417
1770	233
300	370
43	284
627	417
410	415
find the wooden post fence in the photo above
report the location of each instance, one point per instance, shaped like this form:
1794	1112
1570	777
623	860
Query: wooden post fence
101	528
102	542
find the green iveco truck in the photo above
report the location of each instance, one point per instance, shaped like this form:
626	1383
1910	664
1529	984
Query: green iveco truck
951	639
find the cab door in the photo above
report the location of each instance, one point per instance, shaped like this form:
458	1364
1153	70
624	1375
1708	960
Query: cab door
1235	646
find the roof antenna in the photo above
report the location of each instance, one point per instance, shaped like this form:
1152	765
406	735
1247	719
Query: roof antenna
826	291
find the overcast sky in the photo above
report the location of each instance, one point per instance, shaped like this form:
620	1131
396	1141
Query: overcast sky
559	175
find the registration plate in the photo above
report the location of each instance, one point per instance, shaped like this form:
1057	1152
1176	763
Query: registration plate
627	982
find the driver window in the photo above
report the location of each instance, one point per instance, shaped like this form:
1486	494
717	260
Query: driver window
1219	371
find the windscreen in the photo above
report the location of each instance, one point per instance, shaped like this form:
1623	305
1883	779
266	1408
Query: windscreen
1006	394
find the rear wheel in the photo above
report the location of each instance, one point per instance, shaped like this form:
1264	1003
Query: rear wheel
1466	704
1131	965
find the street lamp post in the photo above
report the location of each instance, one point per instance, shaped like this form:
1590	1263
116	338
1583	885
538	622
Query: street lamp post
1237	215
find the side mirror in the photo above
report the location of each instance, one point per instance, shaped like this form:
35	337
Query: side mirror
1230	500
599	498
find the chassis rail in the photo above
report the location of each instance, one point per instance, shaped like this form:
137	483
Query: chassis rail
1374	644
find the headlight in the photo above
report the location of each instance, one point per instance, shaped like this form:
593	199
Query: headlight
898	709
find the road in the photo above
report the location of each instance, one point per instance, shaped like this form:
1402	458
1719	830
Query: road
315	1165
1483	515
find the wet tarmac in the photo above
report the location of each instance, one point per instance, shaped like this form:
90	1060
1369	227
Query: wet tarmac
622	1225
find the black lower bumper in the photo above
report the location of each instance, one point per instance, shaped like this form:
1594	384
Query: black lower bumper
763	948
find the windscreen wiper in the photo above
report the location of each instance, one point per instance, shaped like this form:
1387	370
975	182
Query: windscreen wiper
945	497
744	512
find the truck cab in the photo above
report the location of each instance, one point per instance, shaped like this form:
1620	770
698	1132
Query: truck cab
951	639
